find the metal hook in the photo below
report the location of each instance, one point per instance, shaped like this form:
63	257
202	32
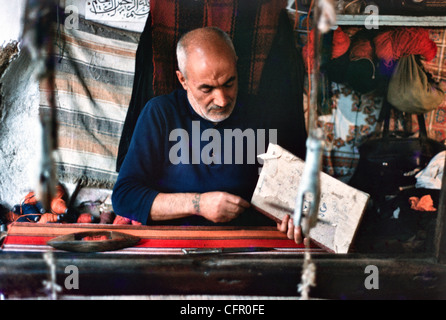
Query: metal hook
308	197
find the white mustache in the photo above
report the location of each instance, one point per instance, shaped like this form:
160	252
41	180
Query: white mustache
215	107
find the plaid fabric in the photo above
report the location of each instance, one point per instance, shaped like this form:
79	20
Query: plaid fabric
156	240
436	120
251	24
89	131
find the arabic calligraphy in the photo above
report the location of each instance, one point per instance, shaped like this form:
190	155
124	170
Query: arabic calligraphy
117	10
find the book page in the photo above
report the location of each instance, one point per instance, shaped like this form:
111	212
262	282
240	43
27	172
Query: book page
340	209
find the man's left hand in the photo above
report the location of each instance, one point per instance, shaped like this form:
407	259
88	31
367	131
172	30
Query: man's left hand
292	232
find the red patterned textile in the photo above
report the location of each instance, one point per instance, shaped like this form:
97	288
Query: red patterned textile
156	240
247	22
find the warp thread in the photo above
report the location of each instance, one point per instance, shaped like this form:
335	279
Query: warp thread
308	278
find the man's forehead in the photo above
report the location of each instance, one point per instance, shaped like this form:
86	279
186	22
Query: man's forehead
207	68
210	83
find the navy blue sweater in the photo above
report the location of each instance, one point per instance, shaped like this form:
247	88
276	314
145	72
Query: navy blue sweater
173	150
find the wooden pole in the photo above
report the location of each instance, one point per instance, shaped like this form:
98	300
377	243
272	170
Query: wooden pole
440	234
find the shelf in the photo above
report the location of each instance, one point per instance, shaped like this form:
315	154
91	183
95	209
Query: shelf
384	20
391	20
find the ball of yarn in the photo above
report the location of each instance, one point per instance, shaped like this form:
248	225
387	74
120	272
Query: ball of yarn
85	218
58	206
121	220
48	218
361	49
30	198
124	220
341	43
393	44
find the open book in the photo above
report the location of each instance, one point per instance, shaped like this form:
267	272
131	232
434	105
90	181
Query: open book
340	209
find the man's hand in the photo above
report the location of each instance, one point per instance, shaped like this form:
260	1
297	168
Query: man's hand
219	206
292	232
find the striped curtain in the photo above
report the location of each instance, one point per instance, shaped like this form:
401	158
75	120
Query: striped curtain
95	62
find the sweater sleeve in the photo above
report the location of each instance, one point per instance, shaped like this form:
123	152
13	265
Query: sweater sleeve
134	190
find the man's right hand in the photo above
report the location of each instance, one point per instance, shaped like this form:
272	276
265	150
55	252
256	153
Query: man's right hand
216	206
219	207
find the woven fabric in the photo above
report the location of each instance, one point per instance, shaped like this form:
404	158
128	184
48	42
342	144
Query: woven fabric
153	240
98	61
436	120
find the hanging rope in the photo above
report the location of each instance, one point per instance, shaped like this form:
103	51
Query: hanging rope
308	196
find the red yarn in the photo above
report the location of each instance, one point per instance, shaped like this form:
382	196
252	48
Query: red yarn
58	206
361	49
85	218
121	220
95	238
48	218
124	220
340	45
30	199
308	52
11	217
394	44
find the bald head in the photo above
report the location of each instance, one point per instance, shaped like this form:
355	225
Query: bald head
208	41
208	72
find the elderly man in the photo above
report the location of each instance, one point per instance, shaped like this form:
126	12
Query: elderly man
184	165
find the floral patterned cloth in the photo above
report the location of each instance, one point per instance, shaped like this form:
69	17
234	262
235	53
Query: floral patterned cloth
354	116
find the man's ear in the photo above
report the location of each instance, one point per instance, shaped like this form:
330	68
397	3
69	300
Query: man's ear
182	79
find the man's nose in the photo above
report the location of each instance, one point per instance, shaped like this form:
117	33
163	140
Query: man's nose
221	99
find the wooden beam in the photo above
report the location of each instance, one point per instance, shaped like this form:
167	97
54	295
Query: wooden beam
337	276
440	234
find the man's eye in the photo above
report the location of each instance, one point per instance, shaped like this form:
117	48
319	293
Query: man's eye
206	89
229	84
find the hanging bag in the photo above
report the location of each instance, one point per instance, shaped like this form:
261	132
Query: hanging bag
389	162
411	89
